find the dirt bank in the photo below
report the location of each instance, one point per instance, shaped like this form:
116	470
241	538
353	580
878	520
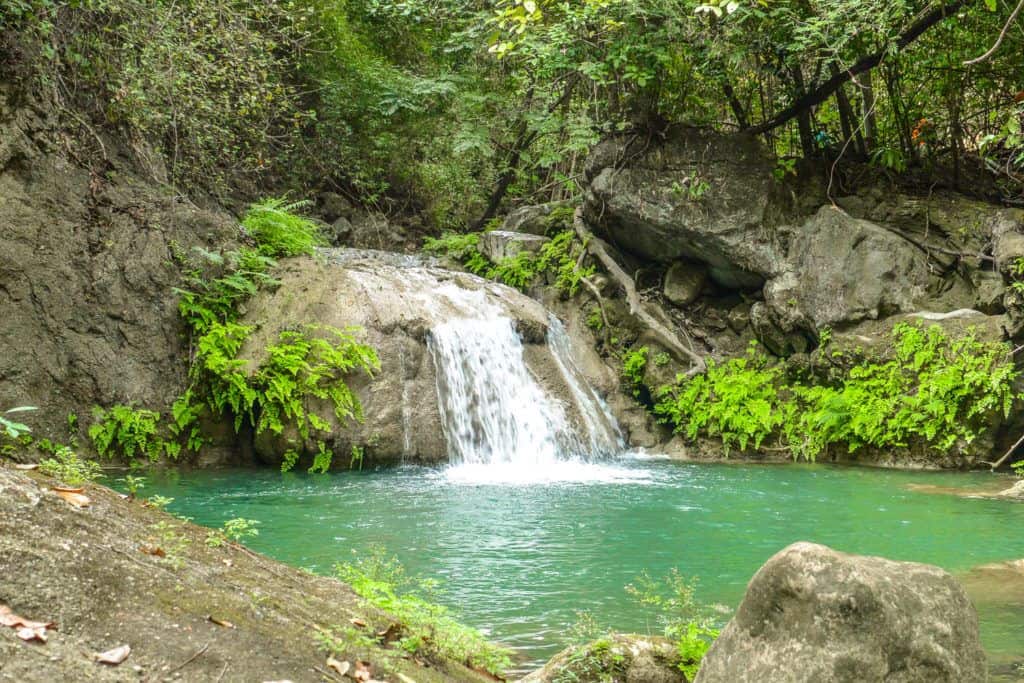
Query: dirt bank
87	570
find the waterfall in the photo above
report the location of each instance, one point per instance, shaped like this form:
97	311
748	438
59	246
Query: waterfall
495	412
603	435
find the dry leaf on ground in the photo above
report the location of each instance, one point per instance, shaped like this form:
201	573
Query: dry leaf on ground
27	629
72	496
220	622
341	667
115	656
362	672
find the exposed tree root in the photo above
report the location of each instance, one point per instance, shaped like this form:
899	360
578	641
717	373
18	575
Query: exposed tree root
664	336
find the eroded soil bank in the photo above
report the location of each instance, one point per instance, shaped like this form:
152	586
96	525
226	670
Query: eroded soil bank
196	613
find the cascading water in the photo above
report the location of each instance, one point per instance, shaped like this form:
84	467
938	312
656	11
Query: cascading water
603	435
493	411
499	422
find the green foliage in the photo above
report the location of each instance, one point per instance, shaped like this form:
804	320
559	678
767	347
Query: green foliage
127	432
133	484
279	231
672	600
427	627
168	537
235	530
302	368
13	429
560	256
596	661
737	401
935	391
634	364
159	502
289	460
321	460
357	458
692	644
70	468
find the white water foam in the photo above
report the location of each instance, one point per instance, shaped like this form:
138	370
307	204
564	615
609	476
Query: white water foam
500	424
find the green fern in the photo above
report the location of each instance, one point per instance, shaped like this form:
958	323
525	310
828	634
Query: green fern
279	230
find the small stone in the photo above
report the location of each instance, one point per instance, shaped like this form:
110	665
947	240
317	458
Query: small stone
738	317
684	282
498	245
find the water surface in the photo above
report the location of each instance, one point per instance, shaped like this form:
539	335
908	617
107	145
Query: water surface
519	552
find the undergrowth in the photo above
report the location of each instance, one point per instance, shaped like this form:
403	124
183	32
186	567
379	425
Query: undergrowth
935	391
426	628
561	256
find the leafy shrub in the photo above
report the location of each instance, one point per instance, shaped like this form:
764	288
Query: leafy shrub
15	429
634	363
297	368
279	230
737	401
935	391
235	530
303	365
127	432
427	627
674	604
560	255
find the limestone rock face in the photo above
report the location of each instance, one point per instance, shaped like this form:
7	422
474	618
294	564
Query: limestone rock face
499	244
700	196
816	615
818	261
394	302
533	219
619	657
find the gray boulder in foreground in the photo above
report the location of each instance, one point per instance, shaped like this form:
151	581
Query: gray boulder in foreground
817	615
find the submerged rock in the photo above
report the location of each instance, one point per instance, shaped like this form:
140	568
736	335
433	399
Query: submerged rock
817	615
620	658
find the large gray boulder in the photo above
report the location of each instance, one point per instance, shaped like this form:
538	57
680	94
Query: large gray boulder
842	270
697	195
534	219
713	199
498	245
816	615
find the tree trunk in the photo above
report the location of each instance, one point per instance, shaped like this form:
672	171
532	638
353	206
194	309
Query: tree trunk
868	112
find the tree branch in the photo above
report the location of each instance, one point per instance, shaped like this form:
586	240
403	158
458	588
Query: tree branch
823	91
999	40
662	334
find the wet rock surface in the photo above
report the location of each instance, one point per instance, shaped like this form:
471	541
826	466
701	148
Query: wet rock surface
393	302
